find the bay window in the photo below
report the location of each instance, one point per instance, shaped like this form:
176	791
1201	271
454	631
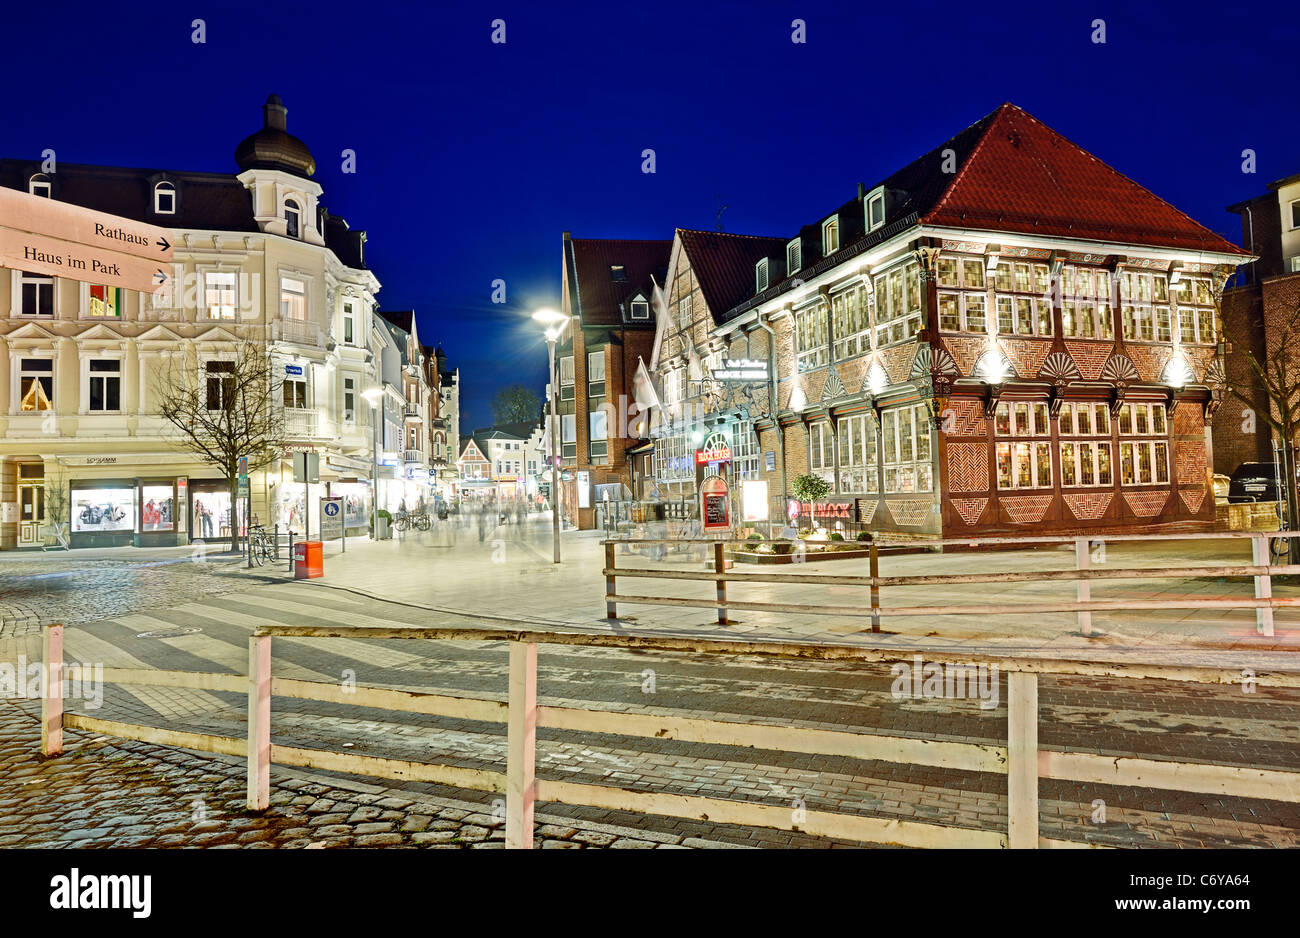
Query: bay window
857	443
1085	462
1027	463
905	449
898	304
1143	444
293	299
810	336
851	318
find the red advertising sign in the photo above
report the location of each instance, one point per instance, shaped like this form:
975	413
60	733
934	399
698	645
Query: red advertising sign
715	449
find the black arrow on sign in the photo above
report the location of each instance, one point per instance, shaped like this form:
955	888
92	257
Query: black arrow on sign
160	276
162	243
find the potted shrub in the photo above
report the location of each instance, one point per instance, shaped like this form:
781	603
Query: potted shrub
864	537
381	524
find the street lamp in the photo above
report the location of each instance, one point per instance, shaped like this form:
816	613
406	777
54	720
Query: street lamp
555	323
375	398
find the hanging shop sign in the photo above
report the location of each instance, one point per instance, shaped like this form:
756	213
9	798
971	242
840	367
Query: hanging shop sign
741	369
715	449
715	504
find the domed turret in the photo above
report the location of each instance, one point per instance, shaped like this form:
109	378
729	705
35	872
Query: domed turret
273	147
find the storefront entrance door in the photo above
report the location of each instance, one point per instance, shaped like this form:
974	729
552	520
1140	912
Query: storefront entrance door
210	515
31	513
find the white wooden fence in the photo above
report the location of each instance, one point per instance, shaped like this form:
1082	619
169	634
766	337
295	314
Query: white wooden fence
1264	602
1020	759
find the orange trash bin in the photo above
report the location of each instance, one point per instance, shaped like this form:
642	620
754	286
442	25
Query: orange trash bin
308	560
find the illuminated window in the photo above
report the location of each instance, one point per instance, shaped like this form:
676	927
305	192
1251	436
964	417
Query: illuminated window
293	299
40	185
219	294
857	444
291	217
105	301
1027	464
905	449
851	317
811	336
35	384
830	236
898	304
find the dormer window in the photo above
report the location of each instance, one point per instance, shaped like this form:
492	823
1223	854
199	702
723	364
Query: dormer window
291	216
760	276
640	309
830	236
40	185
164	199
793	256
618	273
874	207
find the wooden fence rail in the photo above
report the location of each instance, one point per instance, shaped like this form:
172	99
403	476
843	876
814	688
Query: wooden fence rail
1020	759
1260	570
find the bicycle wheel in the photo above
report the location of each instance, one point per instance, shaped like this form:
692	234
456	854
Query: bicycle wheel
1278	550
260	552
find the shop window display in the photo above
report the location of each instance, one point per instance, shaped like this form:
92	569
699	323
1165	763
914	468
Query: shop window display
156	508
107	509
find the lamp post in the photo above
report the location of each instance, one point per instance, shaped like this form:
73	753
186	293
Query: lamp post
555	323
373	395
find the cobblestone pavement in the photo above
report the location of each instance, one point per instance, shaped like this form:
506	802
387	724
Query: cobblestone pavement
36	589
1153	719
112	793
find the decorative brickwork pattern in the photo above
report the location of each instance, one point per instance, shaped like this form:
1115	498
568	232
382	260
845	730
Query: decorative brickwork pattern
910	512
1026	509
968	467
967	418
966	352
1147	504
813	382
897	361
1193	498
1090	357
867	511
970	509
852	371
1026	355
1191	461
1189	420
1089	506
1150	360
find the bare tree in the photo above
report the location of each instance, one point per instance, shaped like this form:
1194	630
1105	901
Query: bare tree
226	409
1274	376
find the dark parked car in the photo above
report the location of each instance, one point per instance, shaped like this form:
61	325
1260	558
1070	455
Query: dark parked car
1254	482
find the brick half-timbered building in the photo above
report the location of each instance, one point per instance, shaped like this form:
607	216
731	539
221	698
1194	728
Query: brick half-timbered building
1005	335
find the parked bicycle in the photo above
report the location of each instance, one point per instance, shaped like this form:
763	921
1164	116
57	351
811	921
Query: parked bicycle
261	544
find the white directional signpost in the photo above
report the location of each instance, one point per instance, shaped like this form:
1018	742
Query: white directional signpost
45	236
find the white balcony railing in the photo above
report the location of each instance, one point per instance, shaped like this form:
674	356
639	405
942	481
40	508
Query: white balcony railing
301	423
299	332
413	456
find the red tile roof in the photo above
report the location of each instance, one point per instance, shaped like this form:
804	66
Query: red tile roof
598	298
723	264
1024	177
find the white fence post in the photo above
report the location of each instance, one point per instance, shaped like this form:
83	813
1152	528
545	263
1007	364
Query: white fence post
1083	561
521	746
1022	760
52	698
259	722
1263	585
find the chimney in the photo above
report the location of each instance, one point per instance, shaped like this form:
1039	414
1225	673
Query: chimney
862	189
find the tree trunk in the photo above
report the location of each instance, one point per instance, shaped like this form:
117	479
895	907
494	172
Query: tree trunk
233	481
1292	506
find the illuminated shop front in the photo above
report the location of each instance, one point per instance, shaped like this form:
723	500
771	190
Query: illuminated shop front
120	512
210	510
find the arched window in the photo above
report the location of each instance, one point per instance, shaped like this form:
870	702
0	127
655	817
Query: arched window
40	185
291	216
164	199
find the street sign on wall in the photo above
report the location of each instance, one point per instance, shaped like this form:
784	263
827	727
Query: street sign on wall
46	236
97	230
37	254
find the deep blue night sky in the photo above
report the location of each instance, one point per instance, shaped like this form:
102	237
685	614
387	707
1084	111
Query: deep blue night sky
472	158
